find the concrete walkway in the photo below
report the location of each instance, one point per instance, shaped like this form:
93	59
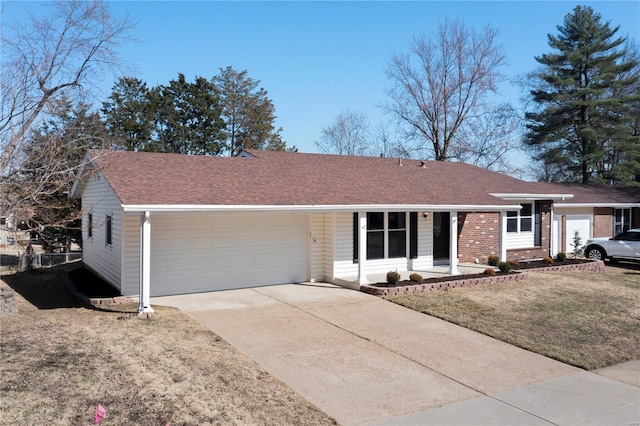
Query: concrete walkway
363	360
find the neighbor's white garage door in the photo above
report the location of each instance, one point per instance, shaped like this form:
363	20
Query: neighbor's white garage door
191	254
580	223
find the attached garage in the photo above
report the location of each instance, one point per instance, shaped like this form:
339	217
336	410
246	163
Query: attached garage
197	253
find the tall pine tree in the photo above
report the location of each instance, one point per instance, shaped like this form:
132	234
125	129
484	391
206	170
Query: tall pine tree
582	127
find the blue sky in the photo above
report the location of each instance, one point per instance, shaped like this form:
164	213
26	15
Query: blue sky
317	59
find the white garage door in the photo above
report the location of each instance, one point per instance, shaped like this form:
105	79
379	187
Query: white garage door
191	254
580	223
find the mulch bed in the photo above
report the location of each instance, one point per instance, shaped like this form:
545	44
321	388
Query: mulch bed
532	264
90	285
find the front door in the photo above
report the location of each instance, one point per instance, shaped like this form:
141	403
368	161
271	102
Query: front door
441	240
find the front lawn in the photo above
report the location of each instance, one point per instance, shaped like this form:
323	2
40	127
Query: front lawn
59	361
586	319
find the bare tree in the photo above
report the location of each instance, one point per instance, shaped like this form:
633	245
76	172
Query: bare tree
348	135
442	83
487	140
48	60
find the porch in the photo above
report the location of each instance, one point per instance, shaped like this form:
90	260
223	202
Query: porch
434	272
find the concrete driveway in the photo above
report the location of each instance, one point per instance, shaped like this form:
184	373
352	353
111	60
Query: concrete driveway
361	359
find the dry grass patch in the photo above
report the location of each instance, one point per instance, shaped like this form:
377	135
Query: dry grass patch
60	360
582	318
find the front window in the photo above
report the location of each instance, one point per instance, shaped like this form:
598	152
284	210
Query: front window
375	235
520	221
386	235
621	221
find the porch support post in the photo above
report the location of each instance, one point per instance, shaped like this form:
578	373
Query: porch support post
453	244
503	236
145	263
362	248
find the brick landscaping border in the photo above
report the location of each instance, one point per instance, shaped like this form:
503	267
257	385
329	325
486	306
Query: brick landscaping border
462	282
595	266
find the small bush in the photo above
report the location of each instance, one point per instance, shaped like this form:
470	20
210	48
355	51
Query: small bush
504	267
490	271
416	278
493	260
393	277
561	257
513	263
548	260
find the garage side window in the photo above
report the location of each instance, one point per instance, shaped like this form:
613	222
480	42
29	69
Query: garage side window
521	221
90	226
109	230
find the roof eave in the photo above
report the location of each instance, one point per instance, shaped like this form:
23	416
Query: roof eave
612	205
531	197
197	208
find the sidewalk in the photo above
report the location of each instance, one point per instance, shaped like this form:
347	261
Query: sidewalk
609	396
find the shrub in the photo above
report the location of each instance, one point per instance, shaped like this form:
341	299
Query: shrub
561	257
513	263
548	260
493	260
504	267
489	271
393	277
417	278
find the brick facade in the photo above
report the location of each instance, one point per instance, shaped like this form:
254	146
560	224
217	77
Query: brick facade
478	236
602	222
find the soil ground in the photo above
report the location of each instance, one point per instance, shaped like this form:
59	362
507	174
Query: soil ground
586	319
59	360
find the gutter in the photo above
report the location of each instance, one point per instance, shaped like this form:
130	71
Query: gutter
217	208
613	205
533	197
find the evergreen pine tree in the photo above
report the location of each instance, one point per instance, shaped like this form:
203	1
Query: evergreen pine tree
582	128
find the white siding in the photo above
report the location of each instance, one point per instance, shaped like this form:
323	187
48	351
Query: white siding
343	250
343	265
99	200
521	240
329	246
131	254
425	244
317	246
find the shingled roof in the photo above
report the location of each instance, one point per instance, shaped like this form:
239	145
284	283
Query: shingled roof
268	178
598	194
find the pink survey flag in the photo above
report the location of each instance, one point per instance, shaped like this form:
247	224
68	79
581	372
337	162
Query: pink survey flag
101	413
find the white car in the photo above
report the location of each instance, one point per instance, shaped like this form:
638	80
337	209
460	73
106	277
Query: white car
624	246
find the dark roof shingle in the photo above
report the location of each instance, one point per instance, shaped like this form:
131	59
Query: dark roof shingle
284	178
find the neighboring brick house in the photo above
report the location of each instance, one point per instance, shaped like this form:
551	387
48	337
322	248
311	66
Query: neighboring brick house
593	211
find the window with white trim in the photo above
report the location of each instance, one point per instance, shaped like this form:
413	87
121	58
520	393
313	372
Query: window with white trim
109	230
386	235
621	221
520	221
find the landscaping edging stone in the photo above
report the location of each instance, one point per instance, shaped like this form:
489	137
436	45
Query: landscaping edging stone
595	266
8	305
421	288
